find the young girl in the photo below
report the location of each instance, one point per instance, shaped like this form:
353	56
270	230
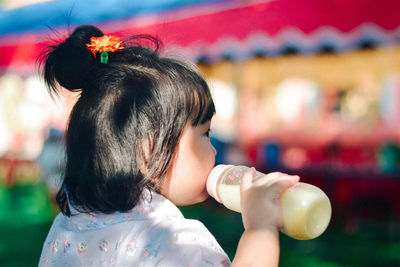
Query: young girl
137	146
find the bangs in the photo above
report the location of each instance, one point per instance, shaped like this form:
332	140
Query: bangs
202	107
195	101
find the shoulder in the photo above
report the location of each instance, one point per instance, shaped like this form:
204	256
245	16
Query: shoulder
189	231
180	240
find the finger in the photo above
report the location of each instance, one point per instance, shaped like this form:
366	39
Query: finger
271	178
247	179
278	186
277	175
273	175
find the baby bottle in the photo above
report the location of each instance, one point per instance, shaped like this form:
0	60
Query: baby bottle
306	210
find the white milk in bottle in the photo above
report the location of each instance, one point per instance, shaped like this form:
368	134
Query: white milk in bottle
306	210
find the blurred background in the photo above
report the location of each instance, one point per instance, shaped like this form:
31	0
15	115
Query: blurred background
307	87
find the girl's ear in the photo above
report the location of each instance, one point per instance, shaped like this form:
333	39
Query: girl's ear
166	181
147	146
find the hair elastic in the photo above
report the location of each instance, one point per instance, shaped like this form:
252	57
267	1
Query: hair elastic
104	44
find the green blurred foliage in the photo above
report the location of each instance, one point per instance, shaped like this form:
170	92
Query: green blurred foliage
25	219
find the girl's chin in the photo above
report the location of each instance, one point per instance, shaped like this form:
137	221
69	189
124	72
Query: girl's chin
203	197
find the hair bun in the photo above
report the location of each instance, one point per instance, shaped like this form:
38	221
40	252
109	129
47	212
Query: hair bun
69	62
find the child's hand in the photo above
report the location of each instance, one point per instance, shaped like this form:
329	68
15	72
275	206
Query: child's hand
259	200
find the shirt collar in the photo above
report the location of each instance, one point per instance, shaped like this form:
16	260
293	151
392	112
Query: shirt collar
151	206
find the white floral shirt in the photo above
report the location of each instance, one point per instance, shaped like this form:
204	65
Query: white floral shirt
154	233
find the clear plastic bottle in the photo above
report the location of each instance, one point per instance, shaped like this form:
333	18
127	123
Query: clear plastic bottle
306	210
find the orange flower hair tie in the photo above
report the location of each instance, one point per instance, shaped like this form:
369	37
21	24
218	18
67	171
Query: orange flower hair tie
104	44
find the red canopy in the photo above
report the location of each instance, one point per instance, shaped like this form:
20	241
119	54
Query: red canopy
240	29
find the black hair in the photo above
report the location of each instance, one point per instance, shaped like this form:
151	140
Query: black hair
137	102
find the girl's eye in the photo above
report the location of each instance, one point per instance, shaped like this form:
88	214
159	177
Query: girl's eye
207	134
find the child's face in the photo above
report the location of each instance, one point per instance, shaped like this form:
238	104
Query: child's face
193	160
